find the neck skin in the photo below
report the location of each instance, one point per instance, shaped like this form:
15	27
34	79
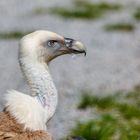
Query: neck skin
36	109
41	84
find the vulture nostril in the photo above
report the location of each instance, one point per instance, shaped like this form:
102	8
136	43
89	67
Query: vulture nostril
68	42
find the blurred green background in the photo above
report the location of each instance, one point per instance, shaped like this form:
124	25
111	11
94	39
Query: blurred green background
99	95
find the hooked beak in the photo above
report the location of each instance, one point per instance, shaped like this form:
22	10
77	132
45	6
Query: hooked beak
68	46
74	46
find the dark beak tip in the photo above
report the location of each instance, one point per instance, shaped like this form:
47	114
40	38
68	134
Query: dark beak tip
85	53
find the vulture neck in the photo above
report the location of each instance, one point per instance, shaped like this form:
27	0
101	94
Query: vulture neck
36	109
41	84
38	78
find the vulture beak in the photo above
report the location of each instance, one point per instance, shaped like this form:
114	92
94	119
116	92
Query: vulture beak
74	46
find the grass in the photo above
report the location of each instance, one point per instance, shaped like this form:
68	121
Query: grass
125	27
80	9
134	94
118	116
137	14
129	111
95	130
107	127
96	101
112	102
12	35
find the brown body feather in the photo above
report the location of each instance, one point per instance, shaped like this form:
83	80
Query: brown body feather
11	130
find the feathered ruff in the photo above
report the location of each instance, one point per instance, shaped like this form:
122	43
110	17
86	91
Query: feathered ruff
26	110
11	130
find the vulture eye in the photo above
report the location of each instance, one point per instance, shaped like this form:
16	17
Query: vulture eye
52	43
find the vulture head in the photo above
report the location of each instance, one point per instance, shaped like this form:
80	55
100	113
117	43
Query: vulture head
46	45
